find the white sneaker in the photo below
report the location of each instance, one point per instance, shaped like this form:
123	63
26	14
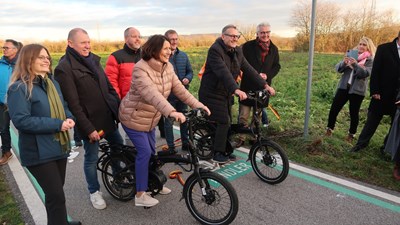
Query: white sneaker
97	200
165	191
146	200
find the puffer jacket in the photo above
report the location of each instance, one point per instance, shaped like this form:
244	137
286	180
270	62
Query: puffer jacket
6	69
152	83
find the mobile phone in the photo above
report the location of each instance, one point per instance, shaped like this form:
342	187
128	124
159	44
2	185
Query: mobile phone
353	53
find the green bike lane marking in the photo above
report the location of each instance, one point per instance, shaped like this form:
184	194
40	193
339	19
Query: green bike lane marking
242	167
15	147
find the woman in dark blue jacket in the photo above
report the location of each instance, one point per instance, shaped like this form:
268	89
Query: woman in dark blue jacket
37	109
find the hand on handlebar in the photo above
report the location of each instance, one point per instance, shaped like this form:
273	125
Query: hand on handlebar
205	108
270	90
178	117
241	94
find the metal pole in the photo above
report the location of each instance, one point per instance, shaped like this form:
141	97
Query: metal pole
310	67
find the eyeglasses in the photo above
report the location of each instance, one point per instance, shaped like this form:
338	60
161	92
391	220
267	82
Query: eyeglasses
233	36
6	48
43	58
264	32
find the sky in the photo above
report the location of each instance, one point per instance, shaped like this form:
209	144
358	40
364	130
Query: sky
39	20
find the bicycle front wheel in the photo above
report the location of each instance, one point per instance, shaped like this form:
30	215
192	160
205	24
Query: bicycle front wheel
220	203
269	162
119	178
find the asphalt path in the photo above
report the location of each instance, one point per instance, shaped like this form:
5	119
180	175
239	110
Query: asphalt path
306	197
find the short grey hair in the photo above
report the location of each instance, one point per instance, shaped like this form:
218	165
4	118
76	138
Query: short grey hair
263	24
73	32
228	27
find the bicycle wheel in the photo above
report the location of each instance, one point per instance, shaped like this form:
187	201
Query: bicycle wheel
119	178
269	162
203	136
219	205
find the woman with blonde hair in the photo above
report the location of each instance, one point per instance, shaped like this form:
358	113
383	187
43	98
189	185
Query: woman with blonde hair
352	87
38	110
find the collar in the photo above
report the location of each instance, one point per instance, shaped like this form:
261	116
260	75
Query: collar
156	65
129	50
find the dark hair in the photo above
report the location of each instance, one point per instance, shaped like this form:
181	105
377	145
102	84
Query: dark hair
228	27
153	46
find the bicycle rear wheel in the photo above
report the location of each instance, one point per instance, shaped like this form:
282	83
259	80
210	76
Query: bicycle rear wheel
269	162
119	178
203	140
219	205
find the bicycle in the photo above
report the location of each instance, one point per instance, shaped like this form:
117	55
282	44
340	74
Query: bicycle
210	198
268	159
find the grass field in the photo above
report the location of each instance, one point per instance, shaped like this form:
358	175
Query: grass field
327	154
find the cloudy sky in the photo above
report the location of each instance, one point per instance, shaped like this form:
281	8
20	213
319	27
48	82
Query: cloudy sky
38	20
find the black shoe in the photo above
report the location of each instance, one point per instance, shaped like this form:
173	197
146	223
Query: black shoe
357	148
74	223
78	143
220	158
232	157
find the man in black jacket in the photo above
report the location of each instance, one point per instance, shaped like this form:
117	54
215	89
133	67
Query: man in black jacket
383	89
263	56
93	102
224	63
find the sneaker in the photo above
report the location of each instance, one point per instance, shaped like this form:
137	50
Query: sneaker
97	200
5	158
78	143
350	138
165	191
146	200
220	158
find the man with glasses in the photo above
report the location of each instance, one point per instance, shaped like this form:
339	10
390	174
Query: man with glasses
218	84
183	70
7	63
263	56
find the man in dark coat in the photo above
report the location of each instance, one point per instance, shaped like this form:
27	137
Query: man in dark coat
383	90
263	56
224	63
92	100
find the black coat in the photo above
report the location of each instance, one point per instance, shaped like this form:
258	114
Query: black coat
218	83
384	78
270	66
91	98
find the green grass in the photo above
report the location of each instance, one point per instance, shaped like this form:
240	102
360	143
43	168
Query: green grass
327	154
9	211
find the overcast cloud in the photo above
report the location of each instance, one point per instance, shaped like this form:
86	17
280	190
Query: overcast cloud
105	20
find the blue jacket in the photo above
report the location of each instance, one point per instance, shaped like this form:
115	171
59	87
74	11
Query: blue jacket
182	68
35	126
6	69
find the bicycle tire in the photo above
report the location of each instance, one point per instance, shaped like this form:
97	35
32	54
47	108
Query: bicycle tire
269	162
203	136
119	182
221	204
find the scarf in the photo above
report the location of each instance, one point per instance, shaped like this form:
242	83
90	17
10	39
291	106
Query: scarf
57	111
264	48
362	58
88	61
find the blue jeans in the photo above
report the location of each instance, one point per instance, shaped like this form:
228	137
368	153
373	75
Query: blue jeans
91	157
264	116
169	132
5	128
145	143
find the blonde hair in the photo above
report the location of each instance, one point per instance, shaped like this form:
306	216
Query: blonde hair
23	68
370	45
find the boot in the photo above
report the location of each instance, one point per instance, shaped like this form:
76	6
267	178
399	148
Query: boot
5	158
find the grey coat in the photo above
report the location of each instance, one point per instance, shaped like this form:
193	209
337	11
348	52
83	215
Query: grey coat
360	76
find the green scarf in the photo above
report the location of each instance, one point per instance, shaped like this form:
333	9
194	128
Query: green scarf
57	111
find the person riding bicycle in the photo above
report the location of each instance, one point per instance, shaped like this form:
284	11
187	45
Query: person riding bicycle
224	63
153	79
